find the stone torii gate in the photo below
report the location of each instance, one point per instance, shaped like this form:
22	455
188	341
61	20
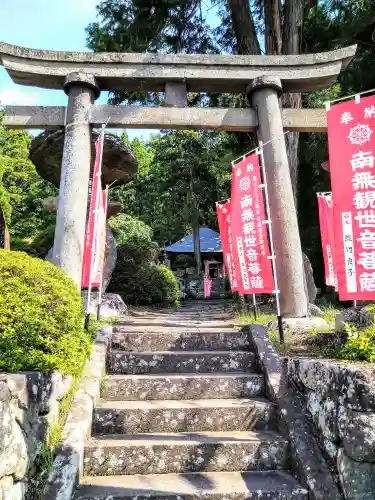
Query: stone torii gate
83	75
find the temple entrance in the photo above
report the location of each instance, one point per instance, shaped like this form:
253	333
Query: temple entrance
259	77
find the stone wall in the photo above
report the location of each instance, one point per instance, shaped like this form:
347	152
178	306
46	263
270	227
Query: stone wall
341	402
29	404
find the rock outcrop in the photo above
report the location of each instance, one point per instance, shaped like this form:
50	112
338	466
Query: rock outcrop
118	167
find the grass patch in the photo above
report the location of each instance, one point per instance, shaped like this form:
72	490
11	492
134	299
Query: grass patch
262	319
330	312
295	344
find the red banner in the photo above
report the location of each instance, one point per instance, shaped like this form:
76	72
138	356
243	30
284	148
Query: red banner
223	216
95	238
251	257
325	206
207	287
351	141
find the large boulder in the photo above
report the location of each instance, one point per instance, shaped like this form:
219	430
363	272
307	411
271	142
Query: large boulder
112	305
118	167
310	288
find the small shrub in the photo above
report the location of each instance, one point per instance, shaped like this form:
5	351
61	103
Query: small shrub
127	228
141	282
41	317
165	290
360	345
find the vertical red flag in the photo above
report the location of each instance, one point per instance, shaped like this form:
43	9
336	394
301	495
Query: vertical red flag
100	242
351	142
223	211
249	231
207	287
90	261
325	206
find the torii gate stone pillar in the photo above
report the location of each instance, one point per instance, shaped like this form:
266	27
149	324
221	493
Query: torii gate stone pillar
68	248
264	91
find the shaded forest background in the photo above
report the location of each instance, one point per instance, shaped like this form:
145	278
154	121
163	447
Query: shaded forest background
182	174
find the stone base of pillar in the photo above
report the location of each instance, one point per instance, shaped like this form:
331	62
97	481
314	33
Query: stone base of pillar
302	325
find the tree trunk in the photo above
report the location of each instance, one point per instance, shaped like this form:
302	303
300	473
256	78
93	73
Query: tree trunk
244	27
197	247
272	21
292	27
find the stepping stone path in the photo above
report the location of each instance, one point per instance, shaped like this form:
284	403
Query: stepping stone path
183	415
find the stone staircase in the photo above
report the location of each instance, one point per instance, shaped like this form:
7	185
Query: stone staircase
183	415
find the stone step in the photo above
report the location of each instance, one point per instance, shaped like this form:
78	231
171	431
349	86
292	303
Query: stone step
176	341
182	452
134	417
179	386
180	362
273	485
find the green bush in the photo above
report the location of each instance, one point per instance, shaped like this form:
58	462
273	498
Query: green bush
164	287
41	317
127	228
360	345
140	281
39	245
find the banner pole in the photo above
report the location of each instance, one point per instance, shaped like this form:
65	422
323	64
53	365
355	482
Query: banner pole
88	306
272	248
102	273
255	307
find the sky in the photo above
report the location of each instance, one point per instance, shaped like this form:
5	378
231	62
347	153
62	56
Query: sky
45	24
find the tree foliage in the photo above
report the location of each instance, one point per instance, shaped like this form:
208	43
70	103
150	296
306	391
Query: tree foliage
22	190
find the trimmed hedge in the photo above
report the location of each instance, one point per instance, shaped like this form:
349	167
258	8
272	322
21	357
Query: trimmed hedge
41	317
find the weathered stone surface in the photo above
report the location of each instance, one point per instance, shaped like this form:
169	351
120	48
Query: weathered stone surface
110	257
28	407
275	485
357	431
347	384
311	290
264	92
119	164
180	362
50	204
324	415
151	72
165	341
329	339
302	325
357	478
351	315
180	386
307	459
180	453
112	305
122	117
133	417
10	490
316	311
366	317
68	462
